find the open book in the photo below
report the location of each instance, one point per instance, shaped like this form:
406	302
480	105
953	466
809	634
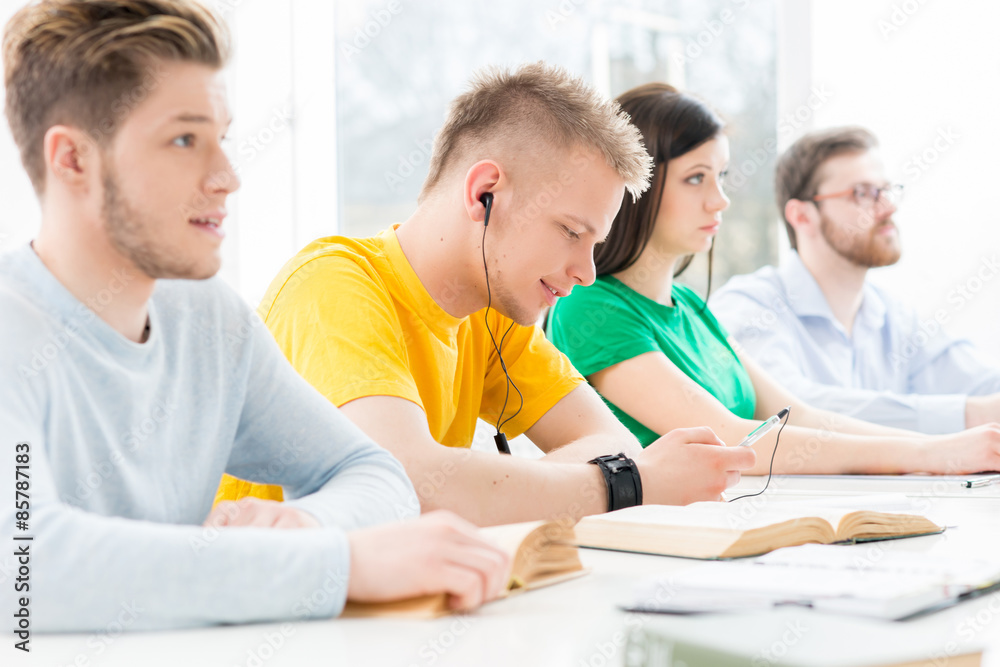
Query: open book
729	530
542	553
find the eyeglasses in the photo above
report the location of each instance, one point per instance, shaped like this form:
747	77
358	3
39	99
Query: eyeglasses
867	195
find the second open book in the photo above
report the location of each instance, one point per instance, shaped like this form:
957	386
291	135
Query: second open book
730	530
542	553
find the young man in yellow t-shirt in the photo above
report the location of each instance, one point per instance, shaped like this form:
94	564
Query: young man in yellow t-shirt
395	329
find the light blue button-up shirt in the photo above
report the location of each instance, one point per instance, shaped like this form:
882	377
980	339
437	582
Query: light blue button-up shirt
893	369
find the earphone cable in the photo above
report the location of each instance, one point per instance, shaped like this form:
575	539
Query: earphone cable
489	302
770	467
510	383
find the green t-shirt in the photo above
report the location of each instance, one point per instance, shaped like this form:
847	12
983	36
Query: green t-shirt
609	322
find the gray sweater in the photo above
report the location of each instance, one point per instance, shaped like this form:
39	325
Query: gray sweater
127	442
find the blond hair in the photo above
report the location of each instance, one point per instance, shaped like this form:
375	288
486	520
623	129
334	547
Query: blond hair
89	63
540	105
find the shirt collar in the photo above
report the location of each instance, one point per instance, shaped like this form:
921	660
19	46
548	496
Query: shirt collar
806	299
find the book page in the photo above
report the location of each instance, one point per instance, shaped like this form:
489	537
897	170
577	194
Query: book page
509	536
741	516
541	551
730	516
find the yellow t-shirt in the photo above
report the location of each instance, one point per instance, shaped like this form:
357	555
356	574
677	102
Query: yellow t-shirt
354	320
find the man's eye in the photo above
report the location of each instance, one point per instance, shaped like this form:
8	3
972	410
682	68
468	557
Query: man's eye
570	233
184	141
695	180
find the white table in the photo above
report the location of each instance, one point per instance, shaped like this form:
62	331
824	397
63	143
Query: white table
574	624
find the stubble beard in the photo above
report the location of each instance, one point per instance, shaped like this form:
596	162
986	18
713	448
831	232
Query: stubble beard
134	237
867	249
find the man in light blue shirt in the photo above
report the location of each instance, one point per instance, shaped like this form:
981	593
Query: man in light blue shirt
133	379
821	328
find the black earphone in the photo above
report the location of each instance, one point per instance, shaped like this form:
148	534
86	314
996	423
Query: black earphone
486	199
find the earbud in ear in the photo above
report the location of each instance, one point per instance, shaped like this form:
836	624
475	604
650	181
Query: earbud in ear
486	199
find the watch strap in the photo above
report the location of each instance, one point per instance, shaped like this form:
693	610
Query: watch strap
621	476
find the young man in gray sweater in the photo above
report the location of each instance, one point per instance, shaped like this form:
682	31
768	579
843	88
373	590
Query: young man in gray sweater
133	379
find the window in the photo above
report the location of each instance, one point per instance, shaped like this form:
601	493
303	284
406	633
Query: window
399	63
334	135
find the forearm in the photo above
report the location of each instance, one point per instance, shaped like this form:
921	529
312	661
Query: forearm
162	576
362	495
816	418
592	446
981	410
326	465
489	489
823	451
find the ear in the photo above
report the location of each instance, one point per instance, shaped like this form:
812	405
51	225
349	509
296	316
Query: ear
484	176
71	158
803	216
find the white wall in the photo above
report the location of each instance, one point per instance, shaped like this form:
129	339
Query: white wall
924	77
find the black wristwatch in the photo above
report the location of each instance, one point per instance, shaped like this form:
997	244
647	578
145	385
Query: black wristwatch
622	477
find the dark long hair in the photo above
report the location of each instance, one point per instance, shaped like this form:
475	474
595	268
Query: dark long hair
672	124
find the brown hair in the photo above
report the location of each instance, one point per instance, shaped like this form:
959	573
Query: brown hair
88	63
672	124
798	173
538	103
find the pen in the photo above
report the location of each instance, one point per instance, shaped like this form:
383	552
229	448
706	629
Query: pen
981	481
762	430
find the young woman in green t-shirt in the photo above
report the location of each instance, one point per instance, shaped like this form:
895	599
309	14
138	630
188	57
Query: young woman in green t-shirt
660	359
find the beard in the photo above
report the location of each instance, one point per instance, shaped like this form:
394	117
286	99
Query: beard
136	238
866	249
